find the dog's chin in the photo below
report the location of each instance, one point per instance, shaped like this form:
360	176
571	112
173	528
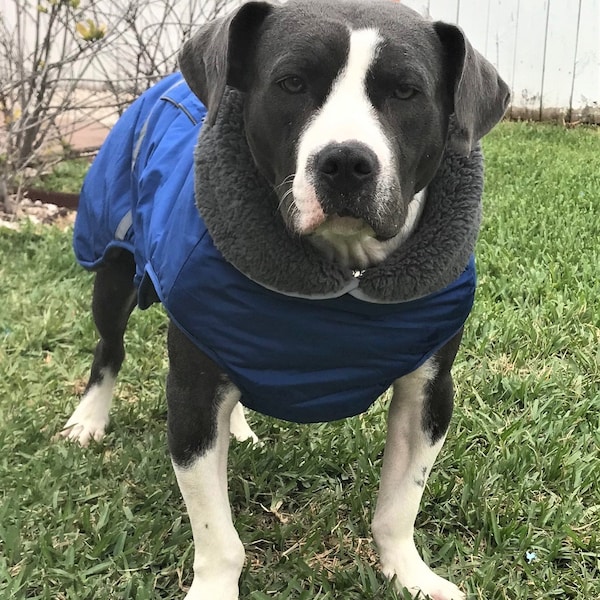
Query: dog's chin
350	242
344	226
354	243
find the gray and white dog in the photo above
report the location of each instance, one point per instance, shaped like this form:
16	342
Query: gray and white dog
349	109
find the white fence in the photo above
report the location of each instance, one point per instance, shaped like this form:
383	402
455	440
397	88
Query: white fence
548	51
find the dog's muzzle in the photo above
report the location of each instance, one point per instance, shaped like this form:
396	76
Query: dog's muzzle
346	178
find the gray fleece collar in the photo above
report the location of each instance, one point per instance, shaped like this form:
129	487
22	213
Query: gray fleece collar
239	208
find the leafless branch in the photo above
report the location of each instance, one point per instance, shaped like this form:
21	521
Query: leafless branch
65	64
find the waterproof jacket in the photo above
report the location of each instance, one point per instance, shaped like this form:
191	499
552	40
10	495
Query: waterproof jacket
296	358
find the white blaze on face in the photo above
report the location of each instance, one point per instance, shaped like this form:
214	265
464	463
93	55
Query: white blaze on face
347	114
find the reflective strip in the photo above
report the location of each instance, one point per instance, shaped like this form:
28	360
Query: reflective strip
124	226
138	145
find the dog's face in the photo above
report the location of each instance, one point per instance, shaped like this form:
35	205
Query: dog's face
346	120
347	107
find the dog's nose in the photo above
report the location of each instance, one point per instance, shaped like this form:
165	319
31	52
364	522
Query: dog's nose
346	167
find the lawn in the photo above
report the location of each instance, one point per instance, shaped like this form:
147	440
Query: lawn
512	508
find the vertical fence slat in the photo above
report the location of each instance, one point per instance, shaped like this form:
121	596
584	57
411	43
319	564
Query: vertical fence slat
473	15
444	10
559	51
586	89
544	57
517	23
529	59
570	113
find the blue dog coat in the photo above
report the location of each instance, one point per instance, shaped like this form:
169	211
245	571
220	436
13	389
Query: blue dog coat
296	358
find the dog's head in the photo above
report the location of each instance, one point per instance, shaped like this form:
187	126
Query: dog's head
347	106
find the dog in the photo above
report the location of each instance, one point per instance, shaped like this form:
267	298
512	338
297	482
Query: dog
347	110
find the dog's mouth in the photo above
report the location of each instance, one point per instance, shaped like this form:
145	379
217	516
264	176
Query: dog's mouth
305	211
350	240
346	224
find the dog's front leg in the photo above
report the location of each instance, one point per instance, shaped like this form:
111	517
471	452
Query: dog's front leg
418	419
200	401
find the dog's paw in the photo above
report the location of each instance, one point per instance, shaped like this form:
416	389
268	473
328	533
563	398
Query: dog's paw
203	590
88	422
433	587
90	419
243	435
410	572
82	428
82	433
238	426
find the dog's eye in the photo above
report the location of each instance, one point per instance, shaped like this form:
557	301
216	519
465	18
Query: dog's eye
405	92
292	84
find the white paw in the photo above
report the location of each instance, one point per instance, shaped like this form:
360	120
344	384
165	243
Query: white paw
244	435
239	427
432	586
207	590
414	575
83	430
90	419
214	578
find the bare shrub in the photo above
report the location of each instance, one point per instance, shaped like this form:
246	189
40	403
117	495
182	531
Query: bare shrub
150	35
40	45
65	63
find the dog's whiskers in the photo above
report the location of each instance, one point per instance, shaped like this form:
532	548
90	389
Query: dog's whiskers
285	196
288	180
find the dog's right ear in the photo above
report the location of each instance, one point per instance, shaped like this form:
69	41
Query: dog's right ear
217	55
480	96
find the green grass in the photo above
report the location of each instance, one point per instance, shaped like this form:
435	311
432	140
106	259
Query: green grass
66	176
518	473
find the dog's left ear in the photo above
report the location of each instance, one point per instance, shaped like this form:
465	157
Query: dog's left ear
480	95
219	54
